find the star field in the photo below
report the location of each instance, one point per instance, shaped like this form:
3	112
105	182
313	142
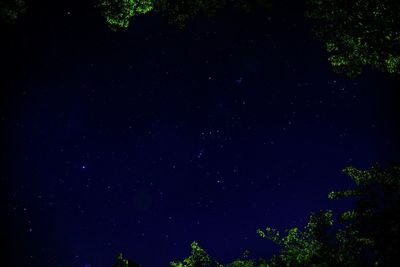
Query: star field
141	142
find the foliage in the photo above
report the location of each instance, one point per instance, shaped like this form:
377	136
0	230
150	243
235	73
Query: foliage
118	13
198	258
301	248
377	212
121	262
358	33
242	263
365	236
11	9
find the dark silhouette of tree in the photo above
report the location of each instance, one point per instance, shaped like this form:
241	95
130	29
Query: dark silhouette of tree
10	10
358	33
368	235
377	212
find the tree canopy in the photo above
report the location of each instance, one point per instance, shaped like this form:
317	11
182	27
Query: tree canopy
118	13
355	34
198	258
11	9
358	33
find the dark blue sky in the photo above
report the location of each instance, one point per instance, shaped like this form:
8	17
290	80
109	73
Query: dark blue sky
145	140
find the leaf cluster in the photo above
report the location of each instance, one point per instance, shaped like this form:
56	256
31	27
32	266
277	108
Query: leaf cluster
118	13
367	235
11	9
198	258
358	33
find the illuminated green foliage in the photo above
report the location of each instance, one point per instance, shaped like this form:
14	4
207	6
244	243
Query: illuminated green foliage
358	33
387	179
301	248
348	215
392	63
11	9
364	236
343	193
242	263
118	13
319	244
198	258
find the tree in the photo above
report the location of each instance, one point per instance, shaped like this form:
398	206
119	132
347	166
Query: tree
376	215
11	9
319	244
367	235
244	262
118	13
198	258
358	33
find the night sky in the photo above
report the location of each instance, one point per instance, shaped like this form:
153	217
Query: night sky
144	140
